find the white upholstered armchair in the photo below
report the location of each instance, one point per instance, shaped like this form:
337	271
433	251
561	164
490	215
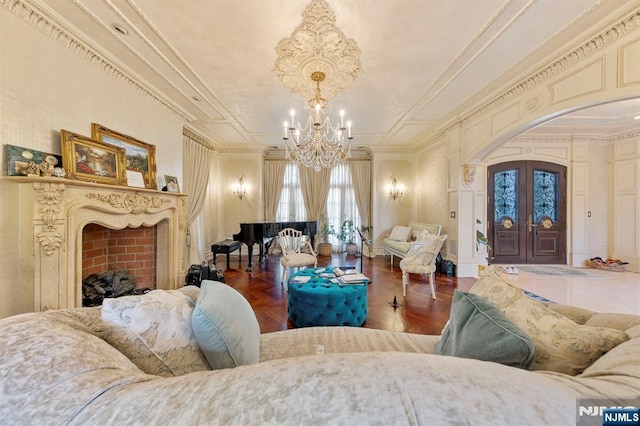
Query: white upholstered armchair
293	254
422	260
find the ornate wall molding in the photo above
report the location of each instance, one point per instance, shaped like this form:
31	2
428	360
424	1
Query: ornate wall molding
135	203
584	50
37	19
469	174
317	45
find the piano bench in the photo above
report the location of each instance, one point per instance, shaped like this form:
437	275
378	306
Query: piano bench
226	247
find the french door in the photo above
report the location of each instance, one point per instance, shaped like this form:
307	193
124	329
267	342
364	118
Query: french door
527	212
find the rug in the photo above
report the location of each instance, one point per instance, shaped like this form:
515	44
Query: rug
557	271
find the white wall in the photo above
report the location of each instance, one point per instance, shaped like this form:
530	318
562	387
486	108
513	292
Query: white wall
45	87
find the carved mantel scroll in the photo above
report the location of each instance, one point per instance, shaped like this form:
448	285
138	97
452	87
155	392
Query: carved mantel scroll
135	203
49	196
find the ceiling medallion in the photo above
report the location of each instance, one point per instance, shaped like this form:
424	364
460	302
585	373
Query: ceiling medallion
317	45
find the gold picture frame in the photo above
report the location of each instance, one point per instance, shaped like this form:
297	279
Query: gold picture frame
91	160
140	156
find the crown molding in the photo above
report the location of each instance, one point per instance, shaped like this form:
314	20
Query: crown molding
240	150
54	30
584	50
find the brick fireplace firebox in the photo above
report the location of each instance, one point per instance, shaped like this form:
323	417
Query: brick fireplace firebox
54	214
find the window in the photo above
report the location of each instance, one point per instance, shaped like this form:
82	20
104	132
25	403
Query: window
341	202
291	206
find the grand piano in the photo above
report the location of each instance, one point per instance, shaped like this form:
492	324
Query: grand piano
263	233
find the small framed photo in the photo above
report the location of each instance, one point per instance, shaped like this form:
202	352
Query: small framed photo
140	156
91	160
26	162
171	183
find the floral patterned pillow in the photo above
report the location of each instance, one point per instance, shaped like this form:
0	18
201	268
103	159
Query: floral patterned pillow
561	345
400	233
154	331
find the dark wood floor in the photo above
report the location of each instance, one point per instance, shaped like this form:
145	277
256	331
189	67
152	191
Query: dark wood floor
418	313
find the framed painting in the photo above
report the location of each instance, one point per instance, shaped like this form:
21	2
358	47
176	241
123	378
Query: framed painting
24	161
92	160
172	183
140	156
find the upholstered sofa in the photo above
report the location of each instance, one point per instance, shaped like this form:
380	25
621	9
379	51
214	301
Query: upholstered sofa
401	239
63	367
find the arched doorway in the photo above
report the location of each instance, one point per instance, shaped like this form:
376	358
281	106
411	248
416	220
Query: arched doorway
527	212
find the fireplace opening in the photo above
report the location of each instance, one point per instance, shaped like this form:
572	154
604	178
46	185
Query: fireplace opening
117	262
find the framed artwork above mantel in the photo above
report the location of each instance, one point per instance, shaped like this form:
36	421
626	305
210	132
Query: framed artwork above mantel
92	160
140	156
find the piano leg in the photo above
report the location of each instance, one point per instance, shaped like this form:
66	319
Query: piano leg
261	257
250	264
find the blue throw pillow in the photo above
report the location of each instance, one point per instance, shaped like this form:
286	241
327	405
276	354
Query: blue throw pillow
478	330
225	326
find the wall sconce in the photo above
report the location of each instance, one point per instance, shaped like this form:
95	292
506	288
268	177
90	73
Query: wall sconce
396	190
239	189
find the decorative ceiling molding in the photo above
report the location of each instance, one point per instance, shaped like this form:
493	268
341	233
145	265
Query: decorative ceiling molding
586	49
45	24
317	45
625	136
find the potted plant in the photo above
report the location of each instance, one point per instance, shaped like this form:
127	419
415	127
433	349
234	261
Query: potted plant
325	248
347	235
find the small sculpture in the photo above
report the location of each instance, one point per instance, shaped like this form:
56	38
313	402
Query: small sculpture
33	169
46	169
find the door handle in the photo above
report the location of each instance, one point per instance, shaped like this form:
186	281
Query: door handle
530	224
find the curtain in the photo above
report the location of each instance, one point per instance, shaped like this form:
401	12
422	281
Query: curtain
196	166
315	189
273	180
361	179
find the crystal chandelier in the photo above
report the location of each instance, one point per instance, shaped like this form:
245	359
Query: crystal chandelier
318	143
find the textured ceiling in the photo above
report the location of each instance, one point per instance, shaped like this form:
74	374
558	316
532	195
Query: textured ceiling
421	60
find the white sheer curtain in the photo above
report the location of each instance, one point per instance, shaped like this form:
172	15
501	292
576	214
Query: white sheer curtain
341	201
315	187
196	166
291	205
273	181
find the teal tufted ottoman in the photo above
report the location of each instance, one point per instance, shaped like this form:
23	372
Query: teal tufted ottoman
320	302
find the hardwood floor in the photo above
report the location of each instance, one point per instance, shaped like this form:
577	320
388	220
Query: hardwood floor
418	313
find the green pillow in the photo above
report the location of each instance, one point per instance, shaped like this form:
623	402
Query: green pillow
225	326
478	330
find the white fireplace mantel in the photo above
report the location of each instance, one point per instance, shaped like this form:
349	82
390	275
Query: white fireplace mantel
53	213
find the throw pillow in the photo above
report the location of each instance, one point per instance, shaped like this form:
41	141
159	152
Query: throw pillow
561	345
400	233
226	326
422	236
154	331
479	330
